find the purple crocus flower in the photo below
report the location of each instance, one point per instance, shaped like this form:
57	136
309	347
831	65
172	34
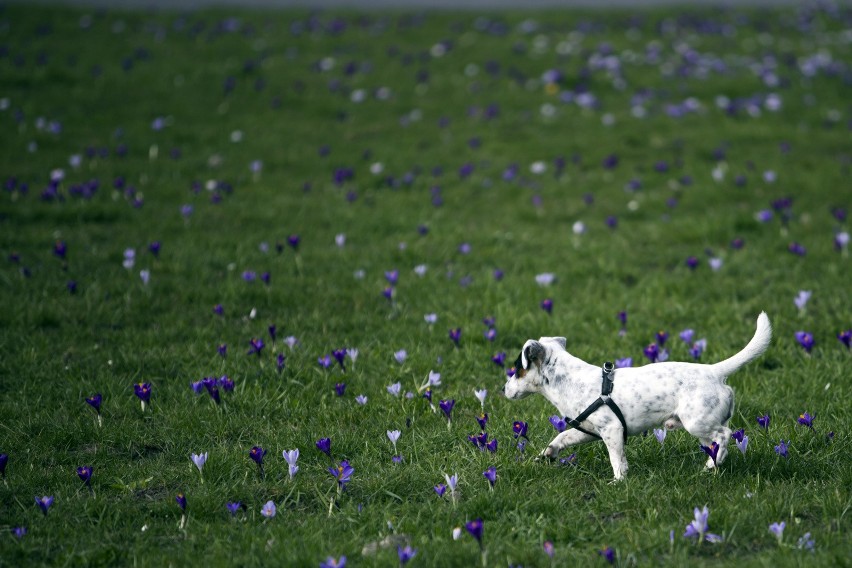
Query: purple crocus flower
570	460
805	542
324	445
447	407
143	391
340	356
226	383
342	473
624	363
197	386
712	450
256	346
782	448
519	429
492	446
440	489
797	249
652	352
699	528
395	389
763	421
392	277
293	241
340	389
686	336
610	162
95	402
455	335
692	262
490	334
806	420
845	337
210	384
330	562
279	361
482	419
805	339
698	348
608	554
801	299
233	507
491	475
154	248
741	440
44	503
222	350
400	356
738	435
405	553
479	441
475	529
547	305
218	310
778	530
548	548
60	249
558	423
291	457
19	532
499	358
662	337
268	510
660	434
256	454
85	474
324	361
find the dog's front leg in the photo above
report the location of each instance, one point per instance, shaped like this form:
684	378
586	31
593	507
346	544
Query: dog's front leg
613	437
564	439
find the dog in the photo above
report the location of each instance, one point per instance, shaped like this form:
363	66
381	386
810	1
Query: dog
693	396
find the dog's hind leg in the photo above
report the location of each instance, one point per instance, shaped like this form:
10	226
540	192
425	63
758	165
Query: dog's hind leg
563	440
721	437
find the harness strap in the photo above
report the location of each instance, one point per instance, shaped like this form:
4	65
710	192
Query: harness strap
604	399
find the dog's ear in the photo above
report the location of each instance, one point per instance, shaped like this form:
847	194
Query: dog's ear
533	351
561	341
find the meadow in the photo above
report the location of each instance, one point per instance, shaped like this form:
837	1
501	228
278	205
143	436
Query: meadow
238	233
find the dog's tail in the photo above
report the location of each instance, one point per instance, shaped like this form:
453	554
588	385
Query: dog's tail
753	350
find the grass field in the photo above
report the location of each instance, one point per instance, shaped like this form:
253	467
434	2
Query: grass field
288	163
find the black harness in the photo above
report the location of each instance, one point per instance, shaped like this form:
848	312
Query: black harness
606	389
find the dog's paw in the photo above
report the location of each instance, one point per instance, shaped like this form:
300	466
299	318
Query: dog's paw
548	455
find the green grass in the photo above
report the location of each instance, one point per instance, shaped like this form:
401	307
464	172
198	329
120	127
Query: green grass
108	81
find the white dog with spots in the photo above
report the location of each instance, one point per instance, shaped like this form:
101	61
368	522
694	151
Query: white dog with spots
689	395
